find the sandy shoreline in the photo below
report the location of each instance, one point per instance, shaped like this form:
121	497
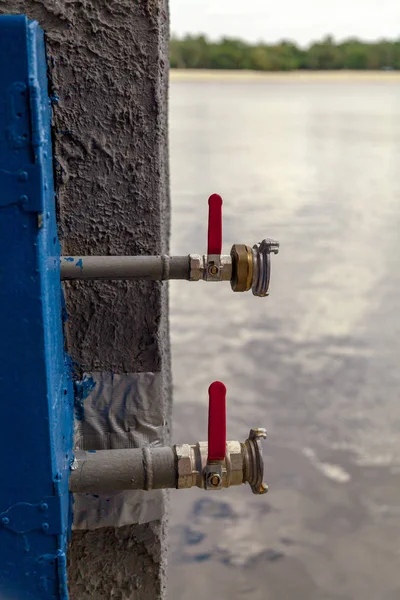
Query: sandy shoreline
301	76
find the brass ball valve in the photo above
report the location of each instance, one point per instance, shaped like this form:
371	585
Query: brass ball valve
211	465
246	268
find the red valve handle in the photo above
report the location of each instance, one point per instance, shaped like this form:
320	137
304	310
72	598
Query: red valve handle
214	224
216	422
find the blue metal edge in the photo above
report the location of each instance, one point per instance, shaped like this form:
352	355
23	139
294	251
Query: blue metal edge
36	393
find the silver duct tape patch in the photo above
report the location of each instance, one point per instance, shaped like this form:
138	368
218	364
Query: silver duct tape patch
116	510
118	411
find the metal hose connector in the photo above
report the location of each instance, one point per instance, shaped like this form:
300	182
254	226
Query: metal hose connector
253	461
262	266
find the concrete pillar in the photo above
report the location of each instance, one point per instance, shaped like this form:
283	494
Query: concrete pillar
109	62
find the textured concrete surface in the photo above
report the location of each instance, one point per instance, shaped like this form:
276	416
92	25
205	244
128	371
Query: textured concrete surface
109	61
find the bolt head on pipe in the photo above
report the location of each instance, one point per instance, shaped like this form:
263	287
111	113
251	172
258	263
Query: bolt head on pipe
214	474
214	479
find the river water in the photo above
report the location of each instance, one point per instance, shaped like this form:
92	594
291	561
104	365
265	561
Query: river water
315	164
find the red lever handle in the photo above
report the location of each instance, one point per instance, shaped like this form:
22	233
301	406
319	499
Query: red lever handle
216	421
214	224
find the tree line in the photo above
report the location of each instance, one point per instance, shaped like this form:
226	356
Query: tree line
197	52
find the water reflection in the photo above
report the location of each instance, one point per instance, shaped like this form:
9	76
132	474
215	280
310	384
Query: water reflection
313	165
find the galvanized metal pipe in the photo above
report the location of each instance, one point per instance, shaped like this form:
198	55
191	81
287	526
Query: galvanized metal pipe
157	268
144	468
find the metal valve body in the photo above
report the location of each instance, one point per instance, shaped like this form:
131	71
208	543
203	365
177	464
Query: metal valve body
211	465
246	268
243	463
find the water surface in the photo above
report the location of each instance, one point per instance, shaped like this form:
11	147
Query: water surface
314	164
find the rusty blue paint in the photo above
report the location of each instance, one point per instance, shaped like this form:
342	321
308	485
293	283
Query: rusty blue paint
82	390
35	384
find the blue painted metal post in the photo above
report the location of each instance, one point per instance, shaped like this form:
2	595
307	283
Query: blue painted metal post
35	388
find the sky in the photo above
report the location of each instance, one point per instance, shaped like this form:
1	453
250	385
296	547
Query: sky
298	20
